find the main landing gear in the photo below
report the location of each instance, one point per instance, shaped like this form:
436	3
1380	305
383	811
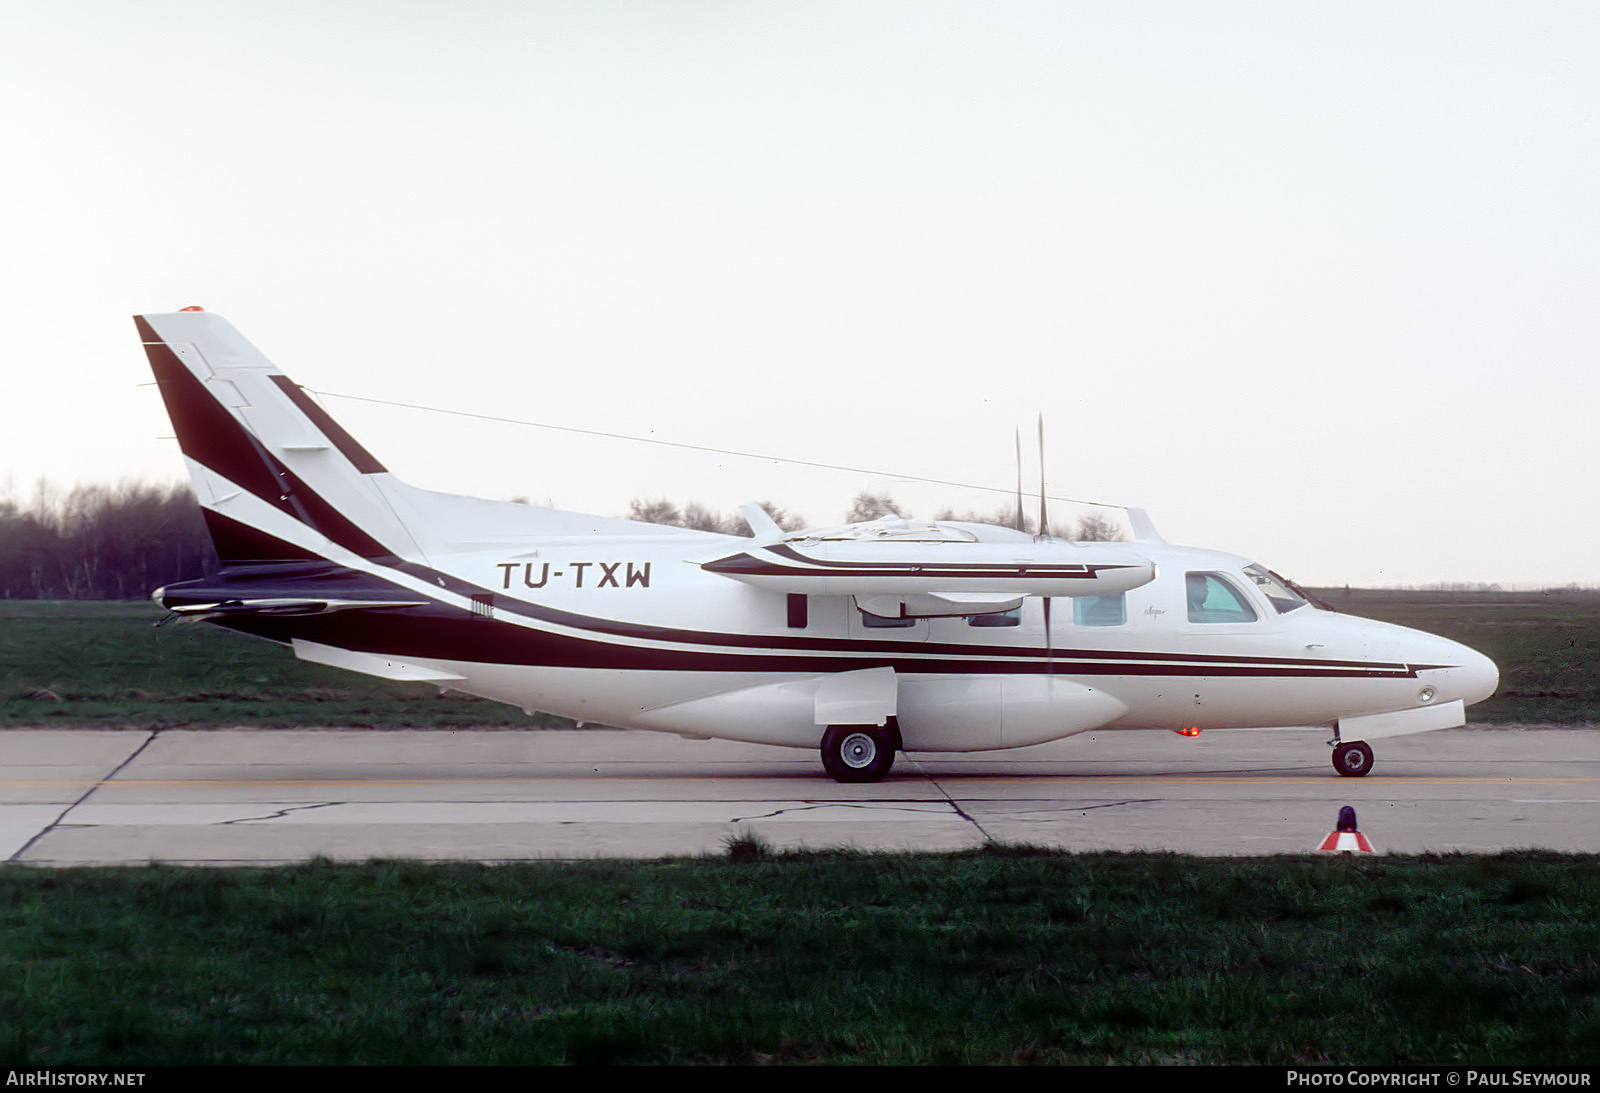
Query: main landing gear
1353	760
859	753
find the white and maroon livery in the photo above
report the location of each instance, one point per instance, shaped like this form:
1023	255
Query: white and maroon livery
861	640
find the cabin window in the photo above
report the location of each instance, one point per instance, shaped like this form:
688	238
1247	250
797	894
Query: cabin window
1109	610
878	622
798	611
997	618
1212	598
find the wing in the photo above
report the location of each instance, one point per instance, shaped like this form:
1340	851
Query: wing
900	569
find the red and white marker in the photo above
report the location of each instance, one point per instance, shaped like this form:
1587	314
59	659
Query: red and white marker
1345	837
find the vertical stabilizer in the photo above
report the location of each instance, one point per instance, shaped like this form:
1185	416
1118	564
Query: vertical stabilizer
277	478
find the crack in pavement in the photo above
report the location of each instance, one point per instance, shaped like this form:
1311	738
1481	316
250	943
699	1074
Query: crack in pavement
866	806
959	811
58	821
280	814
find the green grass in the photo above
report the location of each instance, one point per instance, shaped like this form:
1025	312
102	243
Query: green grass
92	663
1547	644
995	956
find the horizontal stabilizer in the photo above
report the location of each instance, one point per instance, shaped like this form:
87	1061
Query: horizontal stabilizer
371	663
280	606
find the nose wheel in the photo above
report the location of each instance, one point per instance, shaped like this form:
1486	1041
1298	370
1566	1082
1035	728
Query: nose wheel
1353	760
857	753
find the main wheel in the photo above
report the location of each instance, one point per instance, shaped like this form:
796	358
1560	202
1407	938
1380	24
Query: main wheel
857	753
1353	760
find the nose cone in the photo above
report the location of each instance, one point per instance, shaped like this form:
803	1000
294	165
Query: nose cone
1476	676
1455	670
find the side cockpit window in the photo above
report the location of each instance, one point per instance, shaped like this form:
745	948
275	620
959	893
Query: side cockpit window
1212	598
1280	593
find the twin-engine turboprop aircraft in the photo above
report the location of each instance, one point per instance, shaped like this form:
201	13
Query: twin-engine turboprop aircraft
862	640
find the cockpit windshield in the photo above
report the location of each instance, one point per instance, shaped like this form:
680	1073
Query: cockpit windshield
1282	595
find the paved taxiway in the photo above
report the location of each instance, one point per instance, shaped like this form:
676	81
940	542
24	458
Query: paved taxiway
71	797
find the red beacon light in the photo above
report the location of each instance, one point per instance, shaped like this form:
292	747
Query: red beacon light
191	307
1192	730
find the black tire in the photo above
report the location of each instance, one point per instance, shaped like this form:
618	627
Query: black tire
857	753
1353	760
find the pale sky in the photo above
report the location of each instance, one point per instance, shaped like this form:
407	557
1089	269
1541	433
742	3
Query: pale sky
1317	284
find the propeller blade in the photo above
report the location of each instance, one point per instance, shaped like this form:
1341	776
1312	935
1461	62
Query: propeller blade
1044	518
1049	645
1019	524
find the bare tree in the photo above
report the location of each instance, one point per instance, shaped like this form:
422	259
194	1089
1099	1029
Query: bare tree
659	511
870	506
1005	516
701	518
102	542
1095	528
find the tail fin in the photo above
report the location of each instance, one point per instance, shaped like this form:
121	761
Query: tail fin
277	478
280	481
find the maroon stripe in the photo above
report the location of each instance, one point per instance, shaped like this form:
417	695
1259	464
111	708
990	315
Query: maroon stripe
210	435
354	452
207	433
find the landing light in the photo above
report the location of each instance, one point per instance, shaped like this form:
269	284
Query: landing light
1426	695
1192	730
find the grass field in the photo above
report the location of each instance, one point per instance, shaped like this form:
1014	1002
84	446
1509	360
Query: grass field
997	956
1547	644
77	662
97	663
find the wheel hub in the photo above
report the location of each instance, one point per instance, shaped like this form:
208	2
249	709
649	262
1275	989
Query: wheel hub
858	750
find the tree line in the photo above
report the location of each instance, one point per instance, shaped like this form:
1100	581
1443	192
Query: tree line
99	542
1090	527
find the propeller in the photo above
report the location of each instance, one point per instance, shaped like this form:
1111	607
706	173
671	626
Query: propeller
1043	533
1019	480
1044	518
1043	536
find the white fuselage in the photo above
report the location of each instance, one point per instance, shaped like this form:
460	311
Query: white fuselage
666	645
